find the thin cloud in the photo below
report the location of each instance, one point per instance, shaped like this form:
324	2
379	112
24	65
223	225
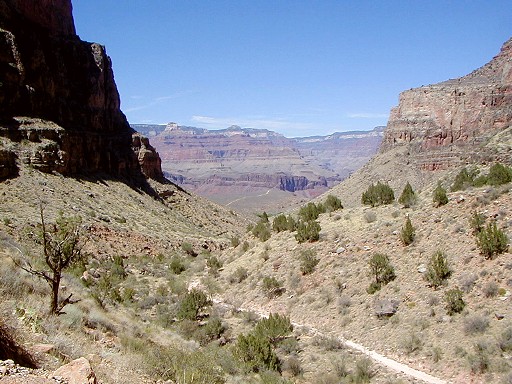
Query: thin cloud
368	115
155	101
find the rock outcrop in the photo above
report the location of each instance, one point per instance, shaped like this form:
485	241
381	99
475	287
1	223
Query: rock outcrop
58	94
444	123
78	371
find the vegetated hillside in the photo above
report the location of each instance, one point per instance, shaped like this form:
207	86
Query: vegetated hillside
241	167
324	284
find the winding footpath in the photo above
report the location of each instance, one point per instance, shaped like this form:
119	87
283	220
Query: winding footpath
246	197
381	359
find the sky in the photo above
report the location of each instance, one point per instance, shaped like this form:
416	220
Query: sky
297	67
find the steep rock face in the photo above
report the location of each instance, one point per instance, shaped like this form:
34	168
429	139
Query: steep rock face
59	92
442	123
148	158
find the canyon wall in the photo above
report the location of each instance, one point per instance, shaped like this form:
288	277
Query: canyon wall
59	104
448	123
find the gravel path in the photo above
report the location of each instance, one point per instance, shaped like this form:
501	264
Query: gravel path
381	359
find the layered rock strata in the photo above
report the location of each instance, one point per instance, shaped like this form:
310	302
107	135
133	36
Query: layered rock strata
445	123
58	95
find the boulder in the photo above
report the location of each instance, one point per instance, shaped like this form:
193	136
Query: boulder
386	307
78	371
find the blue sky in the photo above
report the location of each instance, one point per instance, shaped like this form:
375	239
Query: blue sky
296	67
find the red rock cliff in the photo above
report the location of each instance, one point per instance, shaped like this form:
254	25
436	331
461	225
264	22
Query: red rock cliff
58	94
445	121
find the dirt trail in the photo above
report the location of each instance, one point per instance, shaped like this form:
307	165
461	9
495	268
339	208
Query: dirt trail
246	197
381	359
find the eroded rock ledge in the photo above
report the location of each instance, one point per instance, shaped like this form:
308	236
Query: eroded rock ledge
441	121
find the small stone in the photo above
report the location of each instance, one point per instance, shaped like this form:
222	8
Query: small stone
499	316
3	370
43	348
422	268
340	250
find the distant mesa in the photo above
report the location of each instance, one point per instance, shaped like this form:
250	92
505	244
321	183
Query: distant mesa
240	160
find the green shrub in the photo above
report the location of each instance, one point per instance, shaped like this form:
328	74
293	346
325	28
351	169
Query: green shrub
439	196
174	365
214	264
411	343
177	265
262	231
275	328
272	287
245	246
438	270
363	372
292	224
381	270
463	180
239	275
211	331
309	231
408	197
188	249
282	223
408	233
311	212
490	289
499	174
308	261
235	241
332	203
479	362
379	194
505	340
256	352
476	222
475	324
480	181
192	303
454	301
492	241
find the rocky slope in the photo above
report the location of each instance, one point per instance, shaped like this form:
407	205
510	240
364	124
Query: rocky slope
443	123
59	105
442	127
